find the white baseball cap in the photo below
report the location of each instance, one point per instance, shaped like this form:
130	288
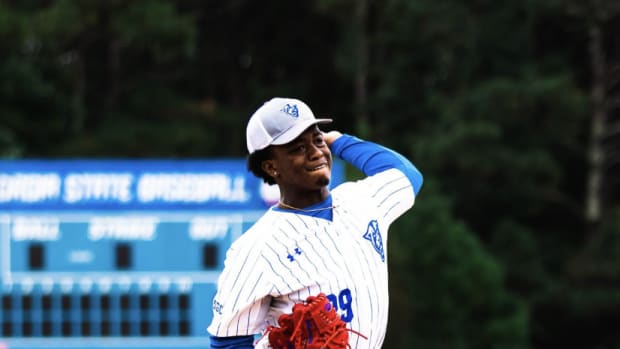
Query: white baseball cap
279	121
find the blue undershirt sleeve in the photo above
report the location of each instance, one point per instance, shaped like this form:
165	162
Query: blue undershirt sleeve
238	342
372	158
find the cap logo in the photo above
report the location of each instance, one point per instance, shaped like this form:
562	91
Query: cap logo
291	110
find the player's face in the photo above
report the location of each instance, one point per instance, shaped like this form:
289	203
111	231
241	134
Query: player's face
303	164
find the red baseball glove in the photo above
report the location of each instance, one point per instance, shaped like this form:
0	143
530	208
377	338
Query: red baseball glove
313	324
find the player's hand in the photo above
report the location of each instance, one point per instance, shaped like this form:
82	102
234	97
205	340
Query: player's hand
330	137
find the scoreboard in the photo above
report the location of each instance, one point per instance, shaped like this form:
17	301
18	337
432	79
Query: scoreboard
119	253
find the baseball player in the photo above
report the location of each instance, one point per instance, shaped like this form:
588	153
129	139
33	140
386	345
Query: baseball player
315	240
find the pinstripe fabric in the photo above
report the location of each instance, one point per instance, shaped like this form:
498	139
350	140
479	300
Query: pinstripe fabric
286	257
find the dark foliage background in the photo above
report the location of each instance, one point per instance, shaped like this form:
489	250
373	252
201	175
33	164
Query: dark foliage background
509	108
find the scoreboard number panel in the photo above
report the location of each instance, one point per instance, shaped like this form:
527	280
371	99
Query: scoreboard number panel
119	253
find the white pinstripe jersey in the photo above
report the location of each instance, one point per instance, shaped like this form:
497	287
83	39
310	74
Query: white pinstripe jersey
285	257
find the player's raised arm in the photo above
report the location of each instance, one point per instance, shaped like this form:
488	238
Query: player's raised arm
372	158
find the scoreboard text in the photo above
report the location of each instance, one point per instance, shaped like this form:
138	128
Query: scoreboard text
119	253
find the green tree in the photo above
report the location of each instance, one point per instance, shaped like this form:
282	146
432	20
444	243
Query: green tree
80	68
448	292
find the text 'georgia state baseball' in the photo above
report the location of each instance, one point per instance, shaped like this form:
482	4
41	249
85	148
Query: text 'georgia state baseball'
131	184
149	187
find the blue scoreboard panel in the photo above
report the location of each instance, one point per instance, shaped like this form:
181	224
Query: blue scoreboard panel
118	253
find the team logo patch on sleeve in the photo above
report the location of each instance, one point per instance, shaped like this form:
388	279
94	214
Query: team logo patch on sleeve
374	236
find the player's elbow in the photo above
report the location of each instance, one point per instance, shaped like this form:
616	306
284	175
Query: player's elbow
417	179
414	176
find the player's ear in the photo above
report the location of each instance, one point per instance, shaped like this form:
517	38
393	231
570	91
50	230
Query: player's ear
270	168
